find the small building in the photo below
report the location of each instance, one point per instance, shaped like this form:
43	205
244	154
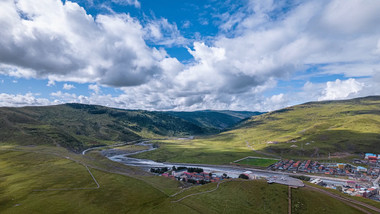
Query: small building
316	181
351	183
361	169
373	190
366	156
372	158
341	165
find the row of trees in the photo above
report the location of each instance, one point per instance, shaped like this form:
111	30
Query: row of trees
159	170
189	169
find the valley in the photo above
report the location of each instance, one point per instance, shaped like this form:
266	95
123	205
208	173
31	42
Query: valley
72	161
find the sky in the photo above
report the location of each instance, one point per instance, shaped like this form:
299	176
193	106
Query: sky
256	55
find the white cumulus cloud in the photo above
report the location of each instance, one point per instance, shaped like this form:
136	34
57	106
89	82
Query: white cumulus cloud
61	42
341	89
257	47
94	88
28	99
68	86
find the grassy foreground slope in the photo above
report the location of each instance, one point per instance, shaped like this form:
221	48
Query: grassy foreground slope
25	171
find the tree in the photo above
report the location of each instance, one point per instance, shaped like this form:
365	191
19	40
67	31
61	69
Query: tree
243	176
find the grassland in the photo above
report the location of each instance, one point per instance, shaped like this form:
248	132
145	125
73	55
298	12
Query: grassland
207	150
126	190
24	172
343	129
214	120
78	126
316	129
307	201
257	162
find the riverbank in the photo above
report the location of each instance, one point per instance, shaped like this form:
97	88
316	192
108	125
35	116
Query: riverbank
232	171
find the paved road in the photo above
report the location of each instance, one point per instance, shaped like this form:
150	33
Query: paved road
114	145
348	201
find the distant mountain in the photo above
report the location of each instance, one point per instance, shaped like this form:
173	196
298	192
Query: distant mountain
79	126
218	120
316	129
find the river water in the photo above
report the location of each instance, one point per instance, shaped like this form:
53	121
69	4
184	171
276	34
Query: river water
232	171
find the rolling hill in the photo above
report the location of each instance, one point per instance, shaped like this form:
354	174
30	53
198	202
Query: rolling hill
317	128
24	172
219	120
342	129
55	180
78	126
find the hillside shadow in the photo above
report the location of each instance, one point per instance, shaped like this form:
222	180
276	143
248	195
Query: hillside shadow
361	112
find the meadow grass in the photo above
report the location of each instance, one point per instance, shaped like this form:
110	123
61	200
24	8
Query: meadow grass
308	201
308	131
258	162
24	171
203	150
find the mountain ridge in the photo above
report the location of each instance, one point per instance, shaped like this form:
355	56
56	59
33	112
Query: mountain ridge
78	126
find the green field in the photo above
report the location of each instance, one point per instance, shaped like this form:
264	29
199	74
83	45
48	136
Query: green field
22	172
78	126
316	129
207	150
345	129
258	162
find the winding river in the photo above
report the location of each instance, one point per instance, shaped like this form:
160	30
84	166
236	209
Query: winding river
232	171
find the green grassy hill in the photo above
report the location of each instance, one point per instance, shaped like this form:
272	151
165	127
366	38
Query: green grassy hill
23	172
344	129
217	120
317	128
77	126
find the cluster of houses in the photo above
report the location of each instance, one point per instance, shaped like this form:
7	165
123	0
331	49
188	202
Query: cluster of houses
361	191
353	188
197	175
194	177
190	175
372	158
341	169
364	180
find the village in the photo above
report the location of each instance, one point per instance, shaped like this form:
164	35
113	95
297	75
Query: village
359	180
362	181
190	175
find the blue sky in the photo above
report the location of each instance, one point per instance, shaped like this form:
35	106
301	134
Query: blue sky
188	55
